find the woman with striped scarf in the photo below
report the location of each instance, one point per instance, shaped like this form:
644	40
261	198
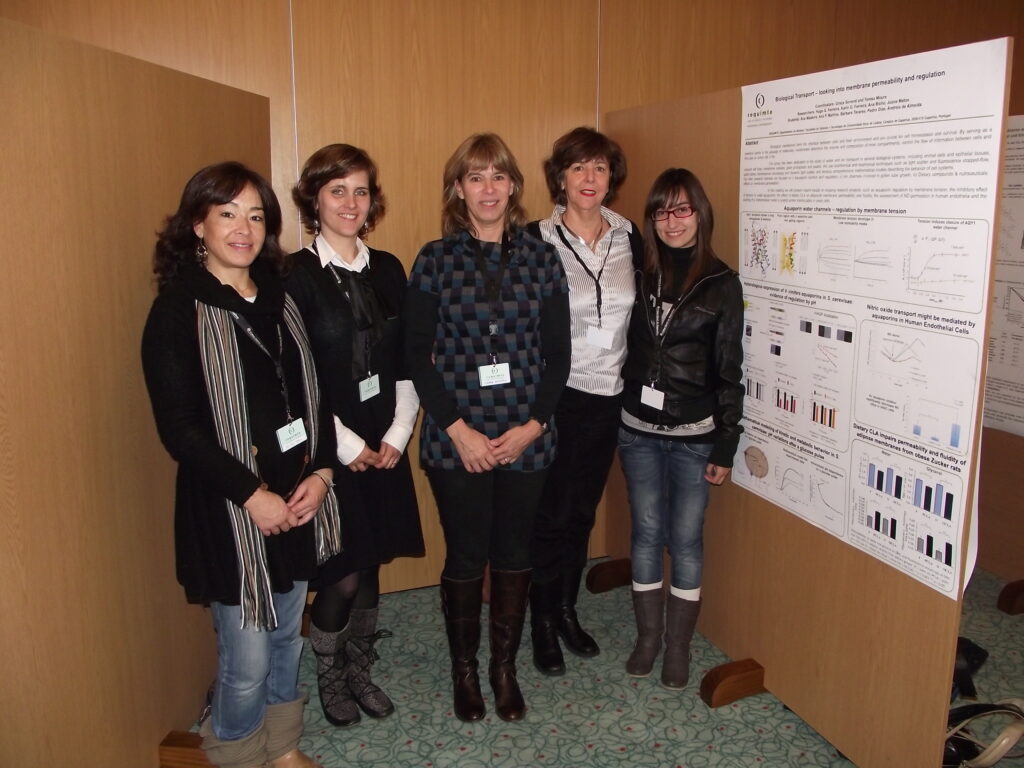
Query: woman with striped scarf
235	397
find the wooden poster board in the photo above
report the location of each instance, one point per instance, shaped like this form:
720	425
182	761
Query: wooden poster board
860	651
101	654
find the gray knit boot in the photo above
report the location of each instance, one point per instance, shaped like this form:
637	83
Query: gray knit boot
335	697
649	610
680	621
361	656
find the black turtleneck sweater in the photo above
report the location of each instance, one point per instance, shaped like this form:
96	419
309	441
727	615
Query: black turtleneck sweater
681	259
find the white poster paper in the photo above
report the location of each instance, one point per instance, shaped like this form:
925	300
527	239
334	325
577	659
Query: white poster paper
867	199
1004	387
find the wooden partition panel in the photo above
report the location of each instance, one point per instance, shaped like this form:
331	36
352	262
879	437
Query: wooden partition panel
101	655
408	82
657	50
1000	521
242	43
860	651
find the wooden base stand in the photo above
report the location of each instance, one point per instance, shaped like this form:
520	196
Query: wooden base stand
1011	599
182	749
609	575
730	682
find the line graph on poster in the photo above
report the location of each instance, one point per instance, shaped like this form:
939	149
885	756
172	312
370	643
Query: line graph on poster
806	486
941	270
926	262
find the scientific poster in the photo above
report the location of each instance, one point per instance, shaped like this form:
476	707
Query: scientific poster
867	200
1004	387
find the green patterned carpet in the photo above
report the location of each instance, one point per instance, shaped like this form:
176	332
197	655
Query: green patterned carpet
596	715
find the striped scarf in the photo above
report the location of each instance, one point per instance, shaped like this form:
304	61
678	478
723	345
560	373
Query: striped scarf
225	385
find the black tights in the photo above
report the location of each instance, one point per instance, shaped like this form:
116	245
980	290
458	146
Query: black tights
334	603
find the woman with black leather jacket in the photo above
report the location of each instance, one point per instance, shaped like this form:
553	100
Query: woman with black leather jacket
682	406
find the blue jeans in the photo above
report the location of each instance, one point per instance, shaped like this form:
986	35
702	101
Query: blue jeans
667	498
255	668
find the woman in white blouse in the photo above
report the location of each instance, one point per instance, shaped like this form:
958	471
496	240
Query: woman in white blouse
598	249
351	297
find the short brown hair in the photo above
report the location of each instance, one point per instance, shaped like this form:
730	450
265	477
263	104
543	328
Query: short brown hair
578	146
481	150
335	161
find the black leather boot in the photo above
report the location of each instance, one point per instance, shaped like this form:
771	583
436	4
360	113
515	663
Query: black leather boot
547	653
460	603
575	637
508	613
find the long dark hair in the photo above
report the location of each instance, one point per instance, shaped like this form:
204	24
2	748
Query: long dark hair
213	185
664	192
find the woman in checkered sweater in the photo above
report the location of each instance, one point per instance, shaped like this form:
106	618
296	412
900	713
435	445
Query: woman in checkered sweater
486	323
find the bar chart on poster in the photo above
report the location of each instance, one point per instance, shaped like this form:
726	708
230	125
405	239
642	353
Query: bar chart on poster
1004	386
867	210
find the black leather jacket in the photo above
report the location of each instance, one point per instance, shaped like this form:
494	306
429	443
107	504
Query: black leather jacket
697	363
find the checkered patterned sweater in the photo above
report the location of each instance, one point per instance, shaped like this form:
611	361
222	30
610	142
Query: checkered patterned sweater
446	318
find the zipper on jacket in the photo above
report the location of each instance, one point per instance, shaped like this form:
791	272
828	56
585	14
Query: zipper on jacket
678	305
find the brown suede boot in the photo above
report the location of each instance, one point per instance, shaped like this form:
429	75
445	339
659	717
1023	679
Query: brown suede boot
508	612
649	610
284	727
680	621
247	752
283	724
460	603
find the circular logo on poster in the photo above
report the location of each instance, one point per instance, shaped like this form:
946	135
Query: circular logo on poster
759	100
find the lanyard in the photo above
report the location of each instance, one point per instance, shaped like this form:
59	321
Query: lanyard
492	286
597	279
249	331
660	325
335	272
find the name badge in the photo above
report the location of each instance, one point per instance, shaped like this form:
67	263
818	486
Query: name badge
369	387
490	375
601	338
291	434
651	397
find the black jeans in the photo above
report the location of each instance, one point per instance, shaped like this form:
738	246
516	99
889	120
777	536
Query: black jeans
487	517
587	429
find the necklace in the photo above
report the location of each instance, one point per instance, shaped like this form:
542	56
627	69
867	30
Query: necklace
591	244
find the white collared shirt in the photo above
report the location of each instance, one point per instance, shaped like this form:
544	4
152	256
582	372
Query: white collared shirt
407	402
596	370
328	255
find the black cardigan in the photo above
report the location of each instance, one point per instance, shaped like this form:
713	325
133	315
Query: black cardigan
207	474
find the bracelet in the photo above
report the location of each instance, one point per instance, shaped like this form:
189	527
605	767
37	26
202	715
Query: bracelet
329	484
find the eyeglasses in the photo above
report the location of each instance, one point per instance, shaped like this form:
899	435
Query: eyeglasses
680	212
